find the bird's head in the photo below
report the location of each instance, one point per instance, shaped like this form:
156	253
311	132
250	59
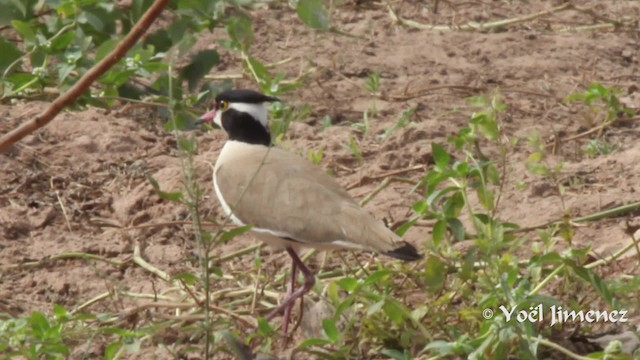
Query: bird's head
242	114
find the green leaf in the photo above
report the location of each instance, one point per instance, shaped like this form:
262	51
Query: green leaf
487	125
376	307
435	272
419	207
25	31
138	8
10	53
181	121
313	342
64	70
440	156
171	196
230	234
441	347
260	72
439	229
199	66
548	258
330	330
314	14
187	144
394	311
240	30
177	29
598	284
264	328
457	229
396	354
62	41
160	40
94	20
348	283
111	350
402	229
340	309
378	276
39	324
60	312
453	205
486	197
187	278
105	48
16	9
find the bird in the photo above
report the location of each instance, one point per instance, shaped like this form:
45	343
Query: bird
289	202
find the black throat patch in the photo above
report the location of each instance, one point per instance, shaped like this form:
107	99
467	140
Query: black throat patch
243	127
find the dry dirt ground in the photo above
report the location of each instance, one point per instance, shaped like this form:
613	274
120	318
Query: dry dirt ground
68	187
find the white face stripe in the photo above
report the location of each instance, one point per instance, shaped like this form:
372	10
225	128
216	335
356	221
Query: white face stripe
218	119
258	111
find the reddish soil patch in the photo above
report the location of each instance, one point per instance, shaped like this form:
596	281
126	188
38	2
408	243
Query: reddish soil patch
68	187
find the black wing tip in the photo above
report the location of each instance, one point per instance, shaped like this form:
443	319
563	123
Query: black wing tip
406	252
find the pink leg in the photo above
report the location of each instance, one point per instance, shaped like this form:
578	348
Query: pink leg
292	285
309	280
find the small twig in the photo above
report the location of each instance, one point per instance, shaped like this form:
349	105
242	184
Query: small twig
111	223
134	101
617	211
616	255
137	258
86	80
195	317
596	129
254	296
472	25
592	217
375	192
64	209
427	91
587	28
238	253
388	174
557	347
66	255
90	302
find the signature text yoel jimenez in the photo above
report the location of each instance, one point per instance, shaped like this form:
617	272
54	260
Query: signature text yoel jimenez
558	315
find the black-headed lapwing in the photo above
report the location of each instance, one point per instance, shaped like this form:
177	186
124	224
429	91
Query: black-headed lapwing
289	202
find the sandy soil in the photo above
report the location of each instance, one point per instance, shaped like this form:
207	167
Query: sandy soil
68	187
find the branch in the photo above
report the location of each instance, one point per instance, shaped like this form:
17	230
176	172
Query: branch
87	79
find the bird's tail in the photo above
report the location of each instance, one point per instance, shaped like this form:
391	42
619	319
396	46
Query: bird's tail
406	252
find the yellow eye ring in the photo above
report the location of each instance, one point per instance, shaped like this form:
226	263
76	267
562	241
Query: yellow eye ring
224	105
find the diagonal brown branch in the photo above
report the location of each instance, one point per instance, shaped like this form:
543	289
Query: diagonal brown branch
86	80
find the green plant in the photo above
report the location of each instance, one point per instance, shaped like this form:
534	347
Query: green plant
62	39
599	147
372	85
36	336
363	127
462	201
402	122
315	156
354	147
602	102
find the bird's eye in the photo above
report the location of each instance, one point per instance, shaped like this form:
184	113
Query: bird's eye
224	104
